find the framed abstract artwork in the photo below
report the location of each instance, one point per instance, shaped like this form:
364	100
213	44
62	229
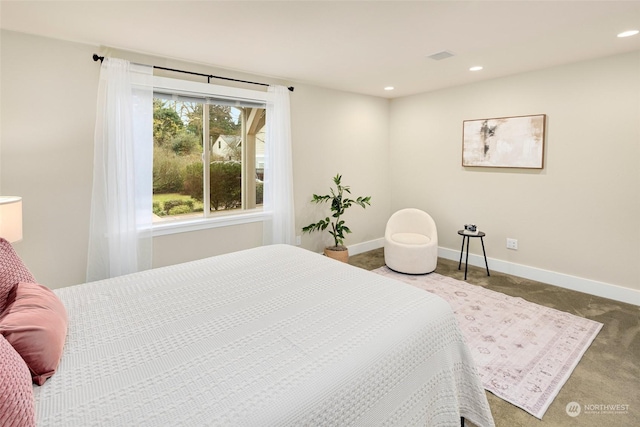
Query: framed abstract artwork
504	142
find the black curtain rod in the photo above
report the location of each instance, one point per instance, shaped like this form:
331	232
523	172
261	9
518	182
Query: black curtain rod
208	76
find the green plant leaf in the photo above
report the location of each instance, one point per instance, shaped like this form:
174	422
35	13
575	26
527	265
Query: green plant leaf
338	206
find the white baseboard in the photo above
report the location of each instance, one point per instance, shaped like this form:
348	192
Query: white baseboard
579	284
359	248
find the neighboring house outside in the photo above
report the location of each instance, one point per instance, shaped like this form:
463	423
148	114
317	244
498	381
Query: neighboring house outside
260	154
226	145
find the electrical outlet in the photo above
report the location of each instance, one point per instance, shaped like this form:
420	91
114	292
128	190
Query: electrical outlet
512	244
298	240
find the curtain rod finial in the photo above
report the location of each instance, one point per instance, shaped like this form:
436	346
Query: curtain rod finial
291	88
97	58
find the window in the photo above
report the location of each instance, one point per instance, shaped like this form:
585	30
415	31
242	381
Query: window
208	152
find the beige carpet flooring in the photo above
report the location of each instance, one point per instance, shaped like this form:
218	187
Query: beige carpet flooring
606	382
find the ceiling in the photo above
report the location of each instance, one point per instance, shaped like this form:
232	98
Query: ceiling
356	46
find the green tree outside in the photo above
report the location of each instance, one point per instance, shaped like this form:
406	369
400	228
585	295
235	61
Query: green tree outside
177	164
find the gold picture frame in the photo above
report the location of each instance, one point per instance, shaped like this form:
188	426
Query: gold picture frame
504	142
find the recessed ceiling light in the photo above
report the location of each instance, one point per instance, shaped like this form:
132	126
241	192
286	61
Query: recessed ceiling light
628	33
476	68
389	88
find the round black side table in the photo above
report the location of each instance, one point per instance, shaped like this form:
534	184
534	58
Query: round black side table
466	236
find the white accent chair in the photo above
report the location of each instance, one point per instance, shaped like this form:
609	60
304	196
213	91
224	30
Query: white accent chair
411	242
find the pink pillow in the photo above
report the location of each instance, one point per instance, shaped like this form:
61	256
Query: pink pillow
12	271
35	324
16	392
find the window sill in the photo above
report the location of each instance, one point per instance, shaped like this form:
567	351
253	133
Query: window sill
185	226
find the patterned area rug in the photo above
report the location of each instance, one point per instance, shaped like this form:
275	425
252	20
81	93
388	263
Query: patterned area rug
525	352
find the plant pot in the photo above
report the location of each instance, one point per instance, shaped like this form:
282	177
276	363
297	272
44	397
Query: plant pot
340	253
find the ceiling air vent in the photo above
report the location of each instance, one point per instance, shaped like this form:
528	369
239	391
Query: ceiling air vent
439	56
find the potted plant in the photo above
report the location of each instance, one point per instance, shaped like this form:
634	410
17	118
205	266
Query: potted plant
339	203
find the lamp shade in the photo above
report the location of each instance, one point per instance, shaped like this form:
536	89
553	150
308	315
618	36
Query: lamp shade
11	218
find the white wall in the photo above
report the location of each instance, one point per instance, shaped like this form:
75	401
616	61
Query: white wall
48	102
340	133
578	216
48	90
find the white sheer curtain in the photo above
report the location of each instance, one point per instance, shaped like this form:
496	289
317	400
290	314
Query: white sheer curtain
120	229
278	170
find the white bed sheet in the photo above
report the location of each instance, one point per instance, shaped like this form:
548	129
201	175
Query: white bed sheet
270	336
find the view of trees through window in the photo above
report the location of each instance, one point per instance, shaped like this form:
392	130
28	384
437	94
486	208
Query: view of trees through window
180	188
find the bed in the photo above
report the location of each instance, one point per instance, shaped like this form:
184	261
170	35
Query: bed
271	336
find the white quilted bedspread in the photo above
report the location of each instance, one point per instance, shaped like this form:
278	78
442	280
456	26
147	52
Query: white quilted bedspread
272	336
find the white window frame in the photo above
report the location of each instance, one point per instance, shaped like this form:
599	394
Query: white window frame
197	89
